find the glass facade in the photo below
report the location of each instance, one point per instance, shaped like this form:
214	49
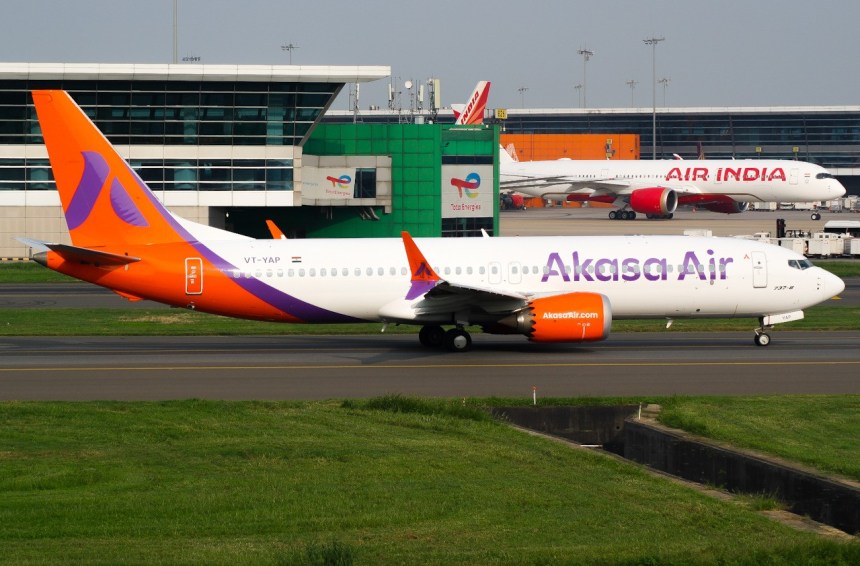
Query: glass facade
826	136
173	113
176	112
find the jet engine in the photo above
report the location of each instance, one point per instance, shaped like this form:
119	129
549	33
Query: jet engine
727	207
656	200
572	317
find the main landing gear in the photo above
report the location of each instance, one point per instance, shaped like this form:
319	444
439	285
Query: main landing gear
622	215
454	340
631	215
762	338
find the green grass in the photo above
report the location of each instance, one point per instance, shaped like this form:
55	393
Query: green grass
179	322
386	481
819	431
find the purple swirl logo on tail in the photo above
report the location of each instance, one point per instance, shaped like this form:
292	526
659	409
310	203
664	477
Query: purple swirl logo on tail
96	172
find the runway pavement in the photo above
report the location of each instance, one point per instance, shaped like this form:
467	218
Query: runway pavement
324	367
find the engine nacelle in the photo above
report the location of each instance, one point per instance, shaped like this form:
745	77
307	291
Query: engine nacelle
572	317
656	200
727	207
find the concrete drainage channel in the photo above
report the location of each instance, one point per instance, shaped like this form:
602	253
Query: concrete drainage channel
632	433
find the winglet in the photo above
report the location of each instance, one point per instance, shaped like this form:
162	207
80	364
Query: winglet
275	231
423	276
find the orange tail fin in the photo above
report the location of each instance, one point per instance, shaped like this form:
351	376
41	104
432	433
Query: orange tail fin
106	204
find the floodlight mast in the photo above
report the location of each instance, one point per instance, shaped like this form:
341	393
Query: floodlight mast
653	41
586	55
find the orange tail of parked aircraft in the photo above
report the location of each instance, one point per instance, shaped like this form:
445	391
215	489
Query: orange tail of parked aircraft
473	111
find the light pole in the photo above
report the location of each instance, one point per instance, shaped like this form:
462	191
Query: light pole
632	84
175	31
586	55
522	90
578	89
289	47
653	41
665	82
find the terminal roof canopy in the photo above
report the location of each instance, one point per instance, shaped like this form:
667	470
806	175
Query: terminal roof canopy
195	72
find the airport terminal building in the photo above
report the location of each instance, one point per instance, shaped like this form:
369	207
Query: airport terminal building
234	145
826	135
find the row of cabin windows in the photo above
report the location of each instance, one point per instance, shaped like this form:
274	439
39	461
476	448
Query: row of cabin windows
468	270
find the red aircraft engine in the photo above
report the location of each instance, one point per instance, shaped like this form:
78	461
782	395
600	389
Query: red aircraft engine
572	317
656	200
727	207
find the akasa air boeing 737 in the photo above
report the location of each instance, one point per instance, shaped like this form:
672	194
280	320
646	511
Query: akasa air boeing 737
550	289
656	188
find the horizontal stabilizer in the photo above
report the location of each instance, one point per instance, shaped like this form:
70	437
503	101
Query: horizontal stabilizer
89	256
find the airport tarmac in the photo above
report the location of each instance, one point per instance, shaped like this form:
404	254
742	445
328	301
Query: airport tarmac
325	367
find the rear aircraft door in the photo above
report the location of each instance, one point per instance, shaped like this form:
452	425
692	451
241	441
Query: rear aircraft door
515	270
759	265
495	272
193	276
792	176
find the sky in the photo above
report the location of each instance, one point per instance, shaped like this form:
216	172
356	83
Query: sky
714	54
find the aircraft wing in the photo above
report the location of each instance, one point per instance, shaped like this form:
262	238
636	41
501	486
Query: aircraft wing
593	187
560	185
449	296
430	297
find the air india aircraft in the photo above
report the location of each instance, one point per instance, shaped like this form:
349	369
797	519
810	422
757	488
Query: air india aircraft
473	111
656	188
550	289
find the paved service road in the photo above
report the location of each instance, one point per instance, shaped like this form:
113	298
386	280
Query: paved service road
324	367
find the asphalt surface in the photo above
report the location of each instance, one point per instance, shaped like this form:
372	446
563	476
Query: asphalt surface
325	367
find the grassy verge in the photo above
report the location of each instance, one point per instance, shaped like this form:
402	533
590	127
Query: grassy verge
819	431
178	322
383	481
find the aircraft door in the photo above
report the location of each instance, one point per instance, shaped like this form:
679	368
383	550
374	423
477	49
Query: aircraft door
495	272
515	270
792	176
193	276
759	265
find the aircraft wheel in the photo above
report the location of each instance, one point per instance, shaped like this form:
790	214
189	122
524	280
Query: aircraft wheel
431	336
613	215
670	216
631	215
457	340
762	339
816	216
622	215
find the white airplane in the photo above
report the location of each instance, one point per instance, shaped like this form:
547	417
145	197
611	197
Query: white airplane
657	188
473	111
550	289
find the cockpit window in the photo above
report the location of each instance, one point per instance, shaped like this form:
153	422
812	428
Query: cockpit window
800	264
825	175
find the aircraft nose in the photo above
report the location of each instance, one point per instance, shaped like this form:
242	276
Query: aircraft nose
837	189
831	285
